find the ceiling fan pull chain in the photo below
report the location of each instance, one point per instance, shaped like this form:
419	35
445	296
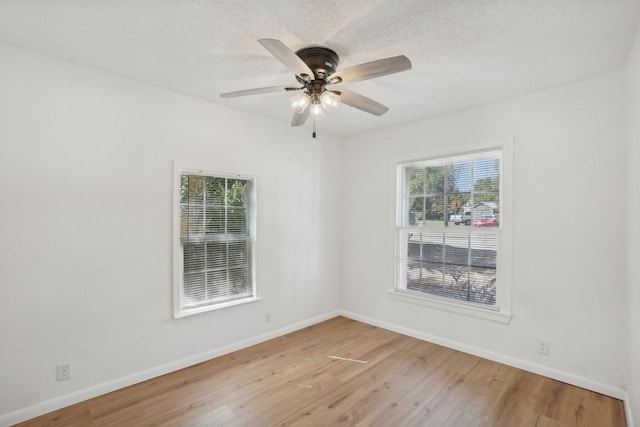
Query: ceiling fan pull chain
314	129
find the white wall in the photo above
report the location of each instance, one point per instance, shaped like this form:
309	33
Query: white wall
86	170
568	280
633	126
85	224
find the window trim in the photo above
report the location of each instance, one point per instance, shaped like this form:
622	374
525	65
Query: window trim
502	311
178	267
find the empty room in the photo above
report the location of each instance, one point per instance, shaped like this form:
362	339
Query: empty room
296	213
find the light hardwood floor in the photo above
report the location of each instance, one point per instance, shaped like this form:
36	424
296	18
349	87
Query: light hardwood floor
345	373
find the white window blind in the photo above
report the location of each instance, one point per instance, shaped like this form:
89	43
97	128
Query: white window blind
448	231
216	239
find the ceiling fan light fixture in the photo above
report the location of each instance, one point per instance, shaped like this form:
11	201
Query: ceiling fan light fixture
315	68
299	102
317	110
330	100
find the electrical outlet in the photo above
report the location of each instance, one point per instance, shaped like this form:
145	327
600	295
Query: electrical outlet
64	371
542	346
267	317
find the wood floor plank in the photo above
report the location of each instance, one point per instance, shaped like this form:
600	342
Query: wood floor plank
345	373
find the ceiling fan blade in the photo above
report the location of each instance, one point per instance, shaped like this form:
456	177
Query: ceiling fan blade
299	118
370	70
259	90
361	102
286	56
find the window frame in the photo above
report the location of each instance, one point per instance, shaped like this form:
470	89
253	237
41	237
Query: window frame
501	312
178	248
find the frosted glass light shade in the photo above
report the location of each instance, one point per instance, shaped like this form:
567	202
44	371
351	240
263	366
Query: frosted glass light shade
330	100
299	102
317	111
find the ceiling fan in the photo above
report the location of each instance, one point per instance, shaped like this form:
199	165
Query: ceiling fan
316	71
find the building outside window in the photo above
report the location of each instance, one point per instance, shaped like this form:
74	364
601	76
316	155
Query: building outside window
449	228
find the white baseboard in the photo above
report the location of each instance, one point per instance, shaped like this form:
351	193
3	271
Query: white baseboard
116	384
59	402
535	368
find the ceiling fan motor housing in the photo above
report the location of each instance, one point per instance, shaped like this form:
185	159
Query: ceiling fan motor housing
321	60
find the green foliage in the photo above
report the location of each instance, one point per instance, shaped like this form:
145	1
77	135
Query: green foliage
213	204
487	190
436	192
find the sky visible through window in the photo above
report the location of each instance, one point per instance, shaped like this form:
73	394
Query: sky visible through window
483	168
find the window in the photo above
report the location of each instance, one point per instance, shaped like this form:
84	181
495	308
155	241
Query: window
216	240
449	229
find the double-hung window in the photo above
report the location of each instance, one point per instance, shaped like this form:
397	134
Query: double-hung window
216	233
449	229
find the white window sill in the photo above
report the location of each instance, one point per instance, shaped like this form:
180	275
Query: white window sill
469	310
189	312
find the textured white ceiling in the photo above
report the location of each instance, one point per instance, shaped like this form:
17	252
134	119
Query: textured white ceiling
464	52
